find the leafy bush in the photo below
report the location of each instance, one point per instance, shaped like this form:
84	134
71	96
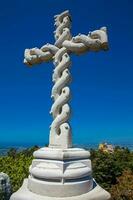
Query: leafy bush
107	167
16	166
123	190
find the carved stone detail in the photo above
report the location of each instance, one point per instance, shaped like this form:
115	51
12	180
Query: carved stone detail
60	133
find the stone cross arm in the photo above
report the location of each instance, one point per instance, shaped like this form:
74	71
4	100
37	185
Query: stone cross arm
94	41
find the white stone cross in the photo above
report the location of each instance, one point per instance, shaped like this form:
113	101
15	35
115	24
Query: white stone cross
65	44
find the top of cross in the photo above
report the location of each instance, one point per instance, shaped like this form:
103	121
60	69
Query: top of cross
63	26
94	41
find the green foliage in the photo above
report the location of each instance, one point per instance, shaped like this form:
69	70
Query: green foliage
12	152
123	190
16	165
107	167
3	196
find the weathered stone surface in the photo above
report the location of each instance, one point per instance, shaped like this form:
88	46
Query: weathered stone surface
97	193
5	185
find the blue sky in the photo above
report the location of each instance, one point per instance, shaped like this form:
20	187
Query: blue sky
102	87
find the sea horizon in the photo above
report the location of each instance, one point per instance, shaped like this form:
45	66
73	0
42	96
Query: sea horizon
5	146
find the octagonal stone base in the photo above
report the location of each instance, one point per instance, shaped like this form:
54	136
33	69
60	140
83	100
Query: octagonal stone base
60	174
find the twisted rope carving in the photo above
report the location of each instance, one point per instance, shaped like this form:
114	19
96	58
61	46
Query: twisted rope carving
94	41
60	133
36	56
63	25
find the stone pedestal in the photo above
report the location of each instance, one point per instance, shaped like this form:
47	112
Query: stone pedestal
60	174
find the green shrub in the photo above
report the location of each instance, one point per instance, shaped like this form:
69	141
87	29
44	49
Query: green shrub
16	166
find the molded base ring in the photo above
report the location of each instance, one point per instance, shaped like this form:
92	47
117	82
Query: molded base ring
97	193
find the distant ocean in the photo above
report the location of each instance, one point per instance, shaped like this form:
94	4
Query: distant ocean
4	148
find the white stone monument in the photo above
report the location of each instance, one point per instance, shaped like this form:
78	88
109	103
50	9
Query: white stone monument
5	186
60	172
